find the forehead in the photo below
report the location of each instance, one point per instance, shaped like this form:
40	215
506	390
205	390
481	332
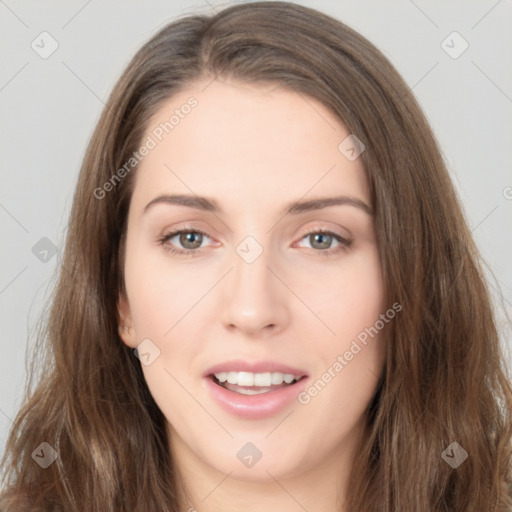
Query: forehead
247	142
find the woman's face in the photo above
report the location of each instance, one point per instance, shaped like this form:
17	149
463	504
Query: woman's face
261	296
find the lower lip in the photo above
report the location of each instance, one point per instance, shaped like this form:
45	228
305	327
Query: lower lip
254	407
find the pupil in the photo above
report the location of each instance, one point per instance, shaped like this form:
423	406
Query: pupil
189	237
325	244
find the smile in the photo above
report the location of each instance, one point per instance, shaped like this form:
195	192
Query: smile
264	392
252	380
248	383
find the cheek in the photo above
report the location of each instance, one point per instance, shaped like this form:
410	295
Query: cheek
351	296
160	293
159	302
162	299
353	353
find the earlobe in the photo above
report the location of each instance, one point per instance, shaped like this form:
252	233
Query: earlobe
124	323
127	335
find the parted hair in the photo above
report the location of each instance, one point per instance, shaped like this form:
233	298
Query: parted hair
444	378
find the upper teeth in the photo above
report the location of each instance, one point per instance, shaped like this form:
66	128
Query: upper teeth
256	379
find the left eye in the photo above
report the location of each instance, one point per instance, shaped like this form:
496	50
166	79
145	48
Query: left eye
323	239
191	241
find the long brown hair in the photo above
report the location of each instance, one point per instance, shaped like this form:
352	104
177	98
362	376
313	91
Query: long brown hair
444	378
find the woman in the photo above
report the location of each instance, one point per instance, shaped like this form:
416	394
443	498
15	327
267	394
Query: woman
328	344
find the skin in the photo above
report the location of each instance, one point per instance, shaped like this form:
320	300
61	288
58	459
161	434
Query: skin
255	148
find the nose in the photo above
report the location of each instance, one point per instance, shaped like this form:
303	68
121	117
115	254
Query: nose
254	298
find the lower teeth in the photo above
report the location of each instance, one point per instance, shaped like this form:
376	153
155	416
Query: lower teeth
256	391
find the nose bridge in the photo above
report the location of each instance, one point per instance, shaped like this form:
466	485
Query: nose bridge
251	266
254	298
253	279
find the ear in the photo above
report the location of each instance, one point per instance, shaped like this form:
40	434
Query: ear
124	323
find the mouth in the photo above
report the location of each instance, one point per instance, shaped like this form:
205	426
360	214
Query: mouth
254	390
248	383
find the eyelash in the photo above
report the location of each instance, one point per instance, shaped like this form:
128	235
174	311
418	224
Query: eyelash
345	244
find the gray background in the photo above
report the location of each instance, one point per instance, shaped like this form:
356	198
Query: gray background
49	106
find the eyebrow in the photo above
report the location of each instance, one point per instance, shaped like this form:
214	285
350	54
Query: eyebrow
293	208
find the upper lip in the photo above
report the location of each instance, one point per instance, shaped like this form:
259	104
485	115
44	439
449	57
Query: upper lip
239	365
